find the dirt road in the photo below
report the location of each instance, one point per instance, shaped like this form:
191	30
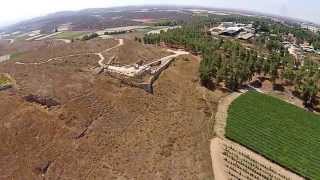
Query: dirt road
121	42
102	58
222	113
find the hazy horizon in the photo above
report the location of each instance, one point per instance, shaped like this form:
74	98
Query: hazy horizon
10	13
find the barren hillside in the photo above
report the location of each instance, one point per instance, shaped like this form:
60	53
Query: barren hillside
103	129
132	52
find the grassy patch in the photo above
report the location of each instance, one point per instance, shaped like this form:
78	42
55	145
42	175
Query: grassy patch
278	130
70	34
4	80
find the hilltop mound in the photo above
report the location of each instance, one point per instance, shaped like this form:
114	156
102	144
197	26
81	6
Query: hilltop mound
132	52
110	130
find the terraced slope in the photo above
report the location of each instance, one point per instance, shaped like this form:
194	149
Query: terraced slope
279	131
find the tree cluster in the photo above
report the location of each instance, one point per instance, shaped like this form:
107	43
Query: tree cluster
89	36
166	23
228	62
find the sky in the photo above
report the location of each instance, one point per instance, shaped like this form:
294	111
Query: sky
12	11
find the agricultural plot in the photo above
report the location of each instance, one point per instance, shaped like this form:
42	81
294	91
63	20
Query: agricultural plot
70	34
242	164
277	130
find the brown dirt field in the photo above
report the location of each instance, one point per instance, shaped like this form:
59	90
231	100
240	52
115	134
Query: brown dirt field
132	52
103	129
56	49
21	46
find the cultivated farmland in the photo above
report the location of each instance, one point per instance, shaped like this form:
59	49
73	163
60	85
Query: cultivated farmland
277	130
70	34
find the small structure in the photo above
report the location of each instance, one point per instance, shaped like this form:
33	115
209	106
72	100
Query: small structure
216	30
130	70
227	24
308	48
311	27
241	31
231	31
245	36
139	74
34	33
64	27
295	51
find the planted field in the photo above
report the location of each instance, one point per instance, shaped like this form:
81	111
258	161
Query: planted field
277	130
241	163
70	34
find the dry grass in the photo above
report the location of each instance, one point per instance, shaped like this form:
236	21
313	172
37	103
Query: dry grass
104	128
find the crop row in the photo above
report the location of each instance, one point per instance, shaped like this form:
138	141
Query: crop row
246	167
277	130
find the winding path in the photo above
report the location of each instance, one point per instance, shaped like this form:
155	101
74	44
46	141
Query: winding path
102	58
126	71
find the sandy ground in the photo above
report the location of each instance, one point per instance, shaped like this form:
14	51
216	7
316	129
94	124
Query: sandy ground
218	165
222	113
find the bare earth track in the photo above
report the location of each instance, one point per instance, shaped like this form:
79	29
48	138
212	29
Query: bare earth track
73	55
